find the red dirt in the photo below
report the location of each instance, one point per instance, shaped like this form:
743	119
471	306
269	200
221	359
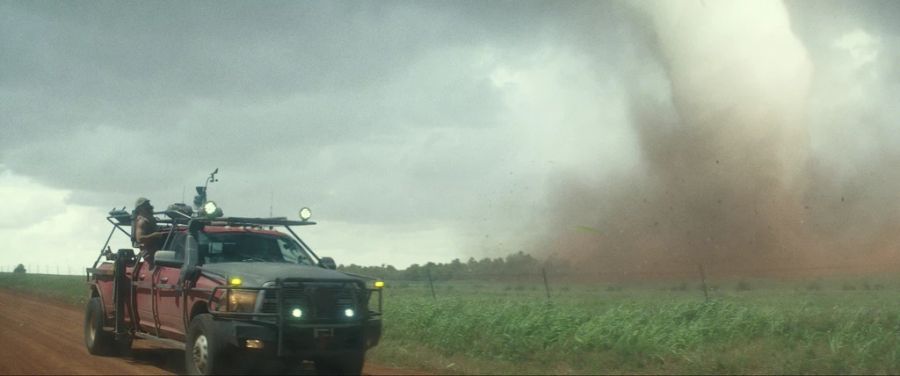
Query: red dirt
47	338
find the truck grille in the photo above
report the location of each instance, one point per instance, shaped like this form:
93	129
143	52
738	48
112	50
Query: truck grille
319	301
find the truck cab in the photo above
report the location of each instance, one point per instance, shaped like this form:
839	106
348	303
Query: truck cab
231	291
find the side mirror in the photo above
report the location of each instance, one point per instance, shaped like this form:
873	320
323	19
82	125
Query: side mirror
327	263
167	258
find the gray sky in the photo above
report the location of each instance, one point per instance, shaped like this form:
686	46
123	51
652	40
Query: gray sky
416	131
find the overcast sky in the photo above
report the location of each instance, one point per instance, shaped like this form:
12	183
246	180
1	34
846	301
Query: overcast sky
416	131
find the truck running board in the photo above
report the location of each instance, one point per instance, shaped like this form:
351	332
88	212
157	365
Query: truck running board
167	342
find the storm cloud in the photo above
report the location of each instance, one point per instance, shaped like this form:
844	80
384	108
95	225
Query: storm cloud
416	130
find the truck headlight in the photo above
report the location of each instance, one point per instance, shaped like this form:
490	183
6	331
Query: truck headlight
242	300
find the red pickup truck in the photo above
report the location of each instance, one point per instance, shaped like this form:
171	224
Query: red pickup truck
232	292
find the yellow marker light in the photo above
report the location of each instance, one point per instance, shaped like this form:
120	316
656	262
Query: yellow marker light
379	284
235	281
297	313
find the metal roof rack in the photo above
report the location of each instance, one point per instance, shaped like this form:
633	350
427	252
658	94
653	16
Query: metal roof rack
247	221
123	218
120	218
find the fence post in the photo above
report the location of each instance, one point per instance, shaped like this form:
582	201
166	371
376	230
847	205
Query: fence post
546	285
703	281
431	284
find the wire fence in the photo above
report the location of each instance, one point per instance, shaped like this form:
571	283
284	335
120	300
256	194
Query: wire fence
551	284
47	269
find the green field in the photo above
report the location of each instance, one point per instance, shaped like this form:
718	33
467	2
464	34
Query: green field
68	289
848	325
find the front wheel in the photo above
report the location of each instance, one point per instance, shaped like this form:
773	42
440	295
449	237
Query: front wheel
204	350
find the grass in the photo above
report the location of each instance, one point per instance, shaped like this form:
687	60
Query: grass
748	326
771	327
69	289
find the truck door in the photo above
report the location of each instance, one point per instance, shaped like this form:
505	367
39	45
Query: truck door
143	296
169	300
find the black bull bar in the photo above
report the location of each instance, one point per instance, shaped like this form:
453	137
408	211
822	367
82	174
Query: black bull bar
280	313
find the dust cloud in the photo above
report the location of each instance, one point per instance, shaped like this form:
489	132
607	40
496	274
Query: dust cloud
728	180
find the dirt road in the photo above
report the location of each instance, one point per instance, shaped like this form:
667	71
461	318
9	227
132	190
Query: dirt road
47	338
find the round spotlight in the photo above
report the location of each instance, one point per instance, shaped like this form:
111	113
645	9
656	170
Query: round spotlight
297	313
211	210
305	213
348	312
209	207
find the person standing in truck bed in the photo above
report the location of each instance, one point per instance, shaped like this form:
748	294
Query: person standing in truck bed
145	234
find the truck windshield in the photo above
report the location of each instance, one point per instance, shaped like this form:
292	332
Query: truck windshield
249	247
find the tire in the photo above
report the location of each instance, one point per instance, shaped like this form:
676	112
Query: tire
97	340
204	348
345	364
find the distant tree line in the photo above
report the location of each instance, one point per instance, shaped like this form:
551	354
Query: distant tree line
517	265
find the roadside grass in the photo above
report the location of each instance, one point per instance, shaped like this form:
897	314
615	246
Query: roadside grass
70	289
479	327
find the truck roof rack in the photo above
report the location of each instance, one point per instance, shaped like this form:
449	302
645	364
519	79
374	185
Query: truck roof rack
122	218
243	221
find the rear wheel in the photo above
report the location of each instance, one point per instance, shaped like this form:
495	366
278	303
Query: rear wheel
204	350
97	340
344	364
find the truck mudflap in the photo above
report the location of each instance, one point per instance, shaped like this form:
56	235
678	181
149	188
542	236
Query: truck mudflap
289	337
122	290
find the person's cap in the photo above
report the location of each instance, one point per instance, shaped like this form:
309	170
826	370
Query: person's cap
141	202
